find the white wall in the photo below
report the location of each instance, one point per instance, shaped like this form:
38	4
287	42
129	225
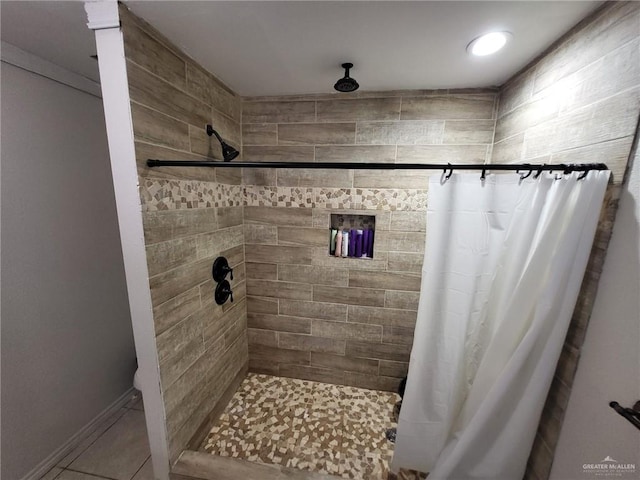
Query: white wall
67	346
610	361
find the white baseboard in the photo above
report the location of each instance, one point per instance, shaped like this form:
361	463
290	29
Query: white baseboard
53	459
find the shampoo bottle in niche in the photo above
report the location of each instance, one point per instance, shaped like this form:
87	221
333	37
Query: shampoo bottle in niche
365	243
338	243
352	243
345	243
333	233
358	252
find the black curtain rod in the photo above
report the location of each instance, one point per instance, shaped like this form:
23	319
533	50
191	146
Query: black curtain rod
566	168
631	414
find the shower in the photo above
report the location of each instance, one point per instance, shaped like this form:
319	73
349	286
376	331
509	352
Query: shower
228	152
346	84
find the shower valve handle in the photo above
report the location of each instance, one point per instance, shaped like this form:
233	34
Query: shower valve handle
223	292
228	270
220	269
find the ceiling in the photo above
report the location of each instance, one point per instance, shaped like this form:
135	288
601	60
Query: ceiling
55	31
274	47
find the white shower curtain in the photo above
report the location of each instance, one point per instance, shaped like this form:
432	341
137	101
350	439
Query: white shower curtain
502	270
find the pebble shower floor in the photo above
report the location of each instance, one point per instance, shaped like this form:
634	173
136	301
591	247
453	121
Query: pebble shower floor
307	425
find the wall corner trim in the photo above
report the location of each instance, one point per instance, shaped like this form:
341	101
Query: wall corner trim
120	138
102	14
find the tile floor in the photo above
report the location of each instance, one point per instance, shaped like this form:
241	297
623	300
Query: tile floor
313	426
116	450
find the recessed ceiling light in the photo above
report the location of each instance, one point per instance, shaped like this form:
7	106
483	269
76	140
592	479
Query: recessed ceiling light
488	43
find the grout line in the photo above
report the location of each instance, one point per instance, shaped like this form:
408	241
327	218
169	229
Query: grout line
62	469
530	99
185	92
117	412
489	150
90	474
533	98
143	464
594	103
147	141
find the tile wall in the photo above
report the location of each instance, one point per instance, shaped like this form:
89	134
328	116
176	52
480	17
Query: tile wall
578	103
337	320
190	217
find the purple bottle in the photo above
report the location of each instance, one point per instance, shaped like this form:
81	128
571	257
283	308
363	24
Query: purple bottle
358	243
365	243
352	243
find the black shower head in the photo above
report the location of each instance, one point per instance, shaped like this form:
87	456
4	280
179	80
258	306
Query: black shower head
228	152
346	83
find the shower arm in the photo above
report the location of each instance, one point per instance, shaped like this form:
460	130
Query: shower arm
211	131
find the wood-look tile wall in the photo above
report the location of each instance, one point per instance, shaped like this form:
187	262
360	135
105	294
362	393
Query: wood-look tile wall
579	102
345	321
190	217
172	99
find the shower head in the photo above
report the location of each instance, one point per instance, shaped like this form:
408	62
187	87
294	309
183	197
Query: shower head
228	152
346	83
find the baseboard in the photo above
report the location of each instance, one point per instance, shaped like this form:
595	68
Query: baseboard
208	422
53	459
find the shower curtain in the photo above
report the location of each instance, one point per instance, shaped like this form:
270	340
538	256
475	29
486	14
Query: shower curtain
502	270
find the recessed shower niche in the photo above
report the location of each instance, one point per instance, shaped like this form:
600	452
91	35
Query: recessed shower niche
351	235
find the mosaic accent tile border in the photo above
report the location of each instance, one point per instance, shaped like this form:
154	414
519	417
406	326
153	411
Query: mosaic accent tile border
295	197
371	199
343	198
411	200
176	194
229	195
313	426
258	196
262	196
376	199
157	194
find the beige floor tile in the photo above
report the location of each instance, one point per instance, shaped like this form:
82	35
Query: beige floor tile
71	475
146	472
93	436
52	474
119	452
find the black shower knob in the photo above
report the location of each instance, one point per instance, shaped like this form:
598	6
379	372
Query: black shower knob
223	292
220	269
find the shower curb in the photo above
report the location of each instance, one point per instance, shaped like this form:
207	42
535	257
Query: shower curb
204	466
